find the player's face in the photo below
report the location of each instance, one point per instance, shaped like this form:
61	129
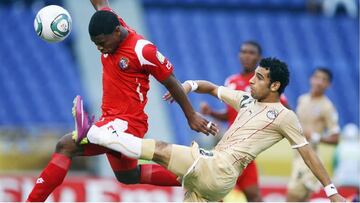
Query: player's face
319	82
261	86
260	83
249	56
106	44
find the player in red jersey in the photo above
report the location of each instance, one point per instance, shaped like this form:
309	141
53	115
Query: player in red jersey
128	60
249	56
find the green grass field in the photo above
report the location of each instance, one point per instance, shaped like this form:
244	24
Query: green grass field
276	161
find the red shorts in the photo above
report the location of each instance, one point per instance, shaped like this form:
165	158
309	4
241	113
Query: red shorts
118	162
248	177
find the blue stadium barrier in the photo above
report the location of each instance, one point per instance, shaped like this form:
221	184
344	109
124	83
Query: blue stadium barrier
38	80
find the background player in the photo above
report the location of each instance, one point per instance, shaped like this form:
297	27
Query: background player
262	121
128	60
319	119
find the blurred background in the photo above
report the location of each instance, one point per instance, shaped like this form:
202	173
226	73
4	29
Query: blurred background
202	38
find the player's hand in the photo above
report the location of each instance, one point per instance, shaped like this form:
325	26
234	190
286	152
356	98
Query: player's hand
205	108
168	97
200	124
311	136
337	198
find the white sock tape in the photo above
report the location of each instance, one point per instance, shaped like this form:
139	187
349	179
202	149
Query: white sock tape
330	190
193	84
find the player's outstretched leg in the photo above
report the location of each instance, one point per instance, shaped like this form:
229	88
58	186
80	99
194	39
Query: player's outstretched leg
127	171
175	158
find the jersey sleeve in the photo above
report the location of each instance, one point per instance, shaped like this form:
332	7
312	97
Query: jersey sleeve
232	97
155	63
331	120
291	129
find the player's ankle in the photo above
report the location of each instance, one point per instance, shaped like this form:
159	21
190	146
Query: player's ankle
147	149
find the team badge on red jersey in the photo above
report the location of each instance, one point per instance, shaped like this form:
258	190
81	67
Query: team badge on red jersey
124	63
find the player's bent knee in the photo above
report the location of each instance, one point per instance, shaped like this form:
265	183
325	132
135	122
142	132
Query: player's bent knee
128	177
66	146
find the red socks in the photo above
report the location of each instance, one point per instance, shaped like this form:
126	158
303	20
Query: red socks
51	177
55	172
157	175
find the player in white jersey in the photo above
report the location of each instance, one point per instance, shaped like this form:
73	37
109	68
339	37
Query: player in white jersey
261	122
319	119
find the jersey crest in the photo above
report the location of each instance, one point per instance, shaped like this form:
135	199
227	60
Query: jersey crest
123	63
272	114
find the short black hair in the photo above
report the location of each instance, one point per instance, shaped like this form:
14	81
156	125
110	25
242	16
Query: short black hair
278	71
255	44
103	22
325	70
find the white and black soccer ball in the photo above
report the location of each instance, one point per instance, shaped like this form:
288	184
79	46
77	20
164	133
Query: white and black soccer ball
53	23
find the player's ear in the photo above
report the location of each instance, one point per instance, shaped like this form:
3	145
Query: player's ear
117	30
275	86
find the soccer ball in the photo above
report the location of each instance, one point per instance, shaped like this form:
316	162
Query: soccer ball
53	23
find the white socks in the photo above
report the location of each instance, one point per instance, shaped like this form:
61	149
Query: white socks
116	140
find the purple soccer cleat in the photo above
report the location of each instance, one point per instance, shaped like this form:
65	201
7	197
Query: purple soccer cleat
82	122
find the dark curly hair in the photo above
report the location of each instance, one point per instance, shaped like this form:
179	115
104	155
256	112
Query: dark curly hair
103	22
279	72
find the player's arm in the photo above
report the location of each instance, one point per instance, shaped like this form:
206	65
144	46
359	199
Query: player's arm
229	96
292	131
159	66
203	87
196	122
313	162
99	4
331	139
332	124
199	86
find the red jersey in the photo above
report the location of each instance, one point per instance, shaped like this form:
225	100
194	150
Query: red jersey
126	78
242	82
